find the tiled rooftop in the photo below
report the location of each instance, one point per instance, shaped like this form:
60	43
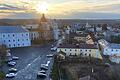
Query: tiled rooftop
11	29
83	46
77	35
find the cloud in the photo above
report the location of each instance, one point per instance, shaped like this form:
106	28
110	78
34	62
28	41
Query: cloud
64	8
89	15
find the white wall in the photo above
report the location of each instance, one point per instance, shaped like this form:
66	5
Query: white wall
93	52
109	51
16	39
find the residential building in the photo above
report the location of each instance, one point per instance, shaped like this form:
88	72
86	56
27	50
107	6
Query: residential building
80	49
109	48
82	37
78	36
14	36
31	26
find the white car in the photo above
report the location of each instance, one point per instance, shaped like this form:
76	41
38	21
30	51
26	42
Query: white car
44	68
54	49
50	55
12	70
48	62
10	75
11	63
8	50
15	58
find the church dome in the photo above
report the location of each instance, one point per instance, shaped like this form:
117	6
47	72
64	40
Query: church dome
43	19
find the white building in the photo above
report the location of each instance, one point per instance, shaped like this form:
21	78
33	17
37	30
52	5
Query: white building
81	49
31	26
14	36
34	35
67	30
109	48
55	30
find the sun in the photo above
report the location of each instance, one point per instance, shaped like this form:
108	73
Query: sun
42	7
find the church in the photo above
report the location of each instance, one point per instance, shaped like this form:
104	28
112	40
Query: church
44	29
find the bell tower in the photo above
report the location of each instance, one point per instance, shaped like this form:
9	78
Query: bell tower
44	28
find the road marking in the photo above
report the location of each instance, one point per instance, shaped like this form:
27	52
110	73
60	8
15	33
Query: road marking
23	73
28	65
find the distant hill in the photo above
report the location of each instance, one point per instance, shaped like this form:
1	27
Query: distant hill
18	21
73	21
60	21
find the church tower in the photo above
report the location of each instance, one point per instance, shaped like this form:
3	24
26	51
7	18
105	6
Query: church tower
44	29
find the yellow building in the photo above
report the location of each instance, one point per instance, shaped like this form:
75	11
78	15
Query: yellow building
81	49
44	29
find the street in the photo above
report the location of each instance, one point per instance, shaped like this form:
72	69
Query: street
29	62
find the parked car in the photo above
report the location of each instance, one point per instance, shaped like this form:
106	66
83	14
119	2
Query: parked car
53	48
11	63
42	71
50	55
10	75
41	75
8	50
43	65
12	70
48	62
107	65
15	58
44	68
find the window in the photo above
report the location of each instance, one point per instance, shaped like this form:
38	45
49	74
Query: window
70	50
8	35
22	34
4	41
75	50
86	50
18	40
80	54
13	35
9	45
65	49
80	50
13	40
18	44
14	45
9	40
89	50
27	39
112	50
3	35
89	55
26	34
23	44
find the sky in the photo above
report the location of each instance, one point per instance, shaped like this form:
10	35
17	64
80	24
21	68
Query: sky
61	9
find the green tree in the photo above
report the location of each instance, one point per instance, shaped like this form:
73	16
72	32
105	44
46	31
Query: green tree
2	56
